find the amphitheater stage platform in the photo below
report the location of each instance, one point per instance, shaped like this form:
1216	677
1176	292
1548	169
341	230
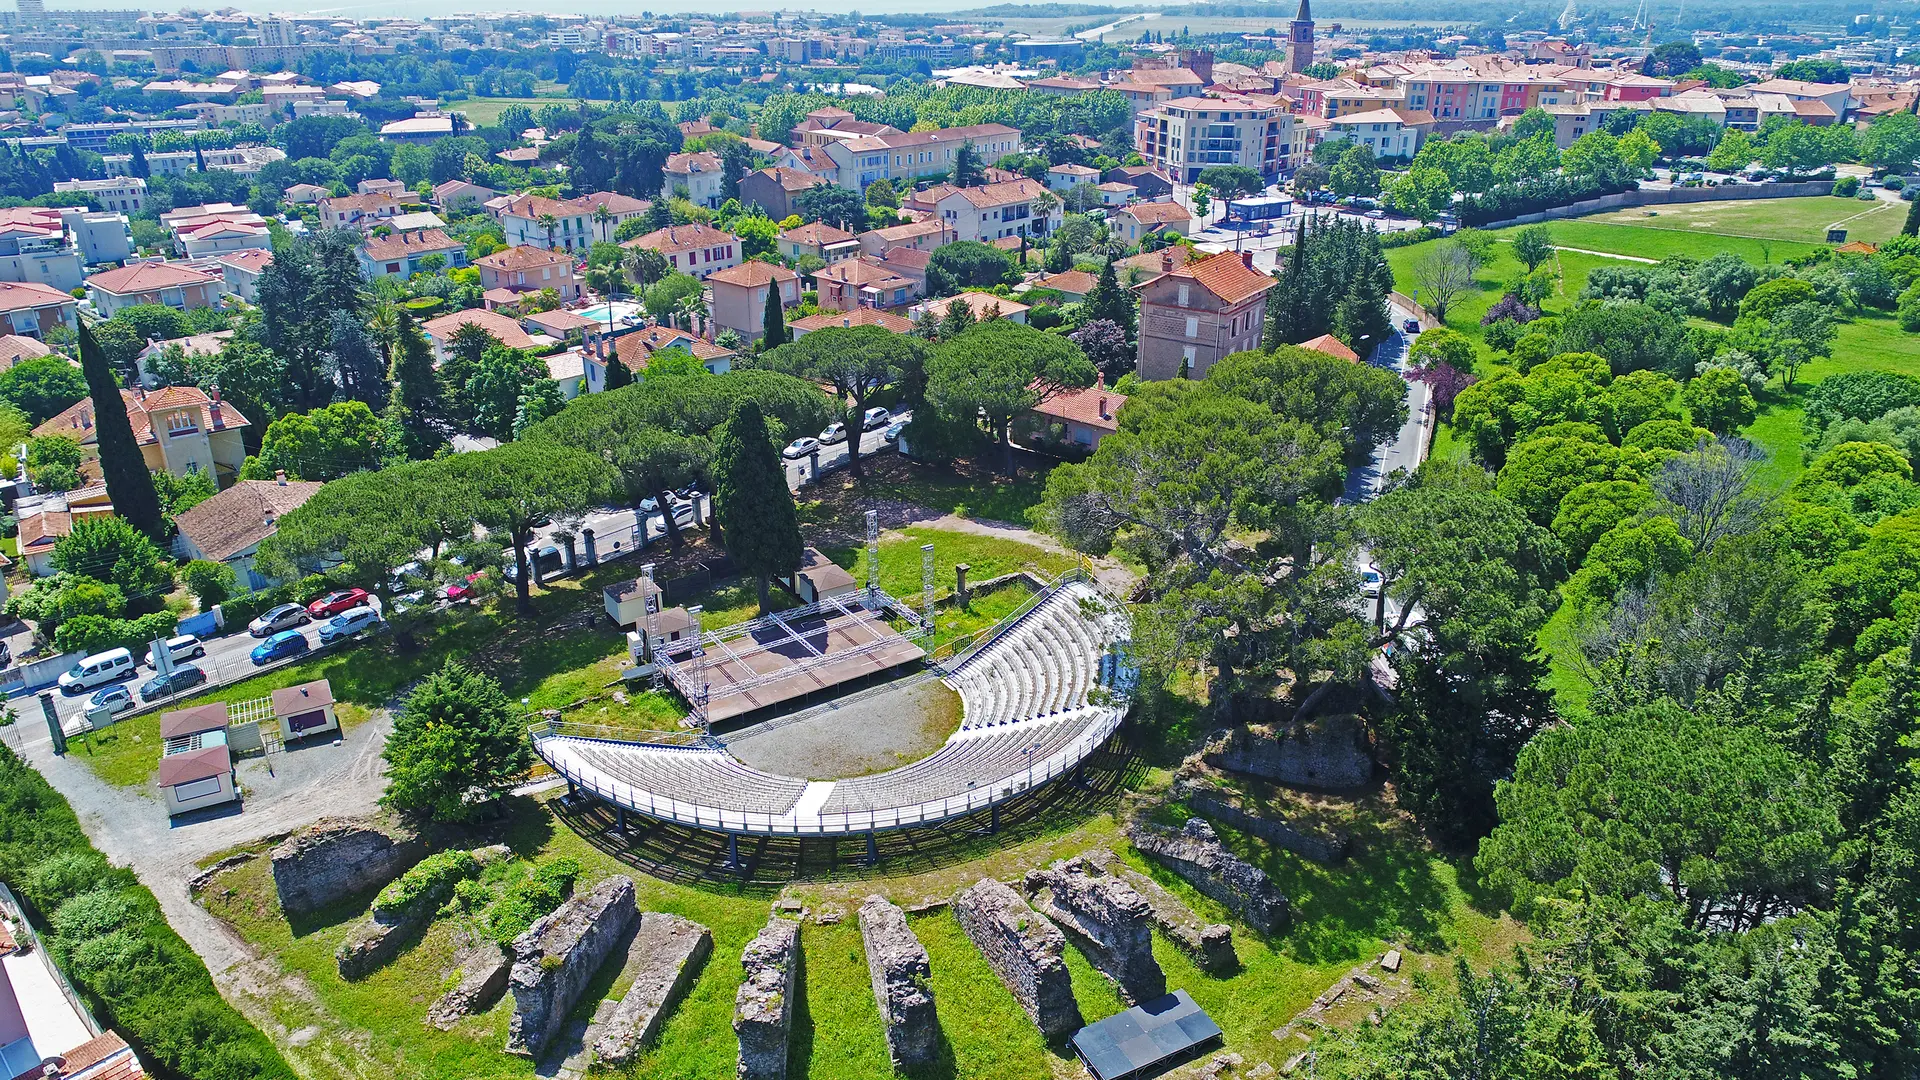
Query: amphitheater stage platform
778	659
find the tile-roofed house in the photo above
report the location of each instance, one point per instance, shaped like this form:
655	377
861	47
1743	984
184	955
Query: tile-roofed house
459	194
912	155
924	235
229	527
179	429
635	349
1140	220
1332	346
693	248
400	254
983	305
518	155
909	263
740	295
777	190
1067	177
1079	418
825	126
241	270
577	223
307	194
39	534
856	317
863	282
998	211
504	329
1073	284
820	240
523	270
172	284
1194	314
698	177
15	348
357	211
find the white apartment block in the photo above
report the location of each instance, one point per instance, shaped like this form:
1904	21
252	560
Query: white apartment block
913	155
1187	135
126	194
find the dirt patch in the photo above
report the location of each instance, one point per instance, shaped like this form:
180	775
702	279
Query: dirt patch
866	734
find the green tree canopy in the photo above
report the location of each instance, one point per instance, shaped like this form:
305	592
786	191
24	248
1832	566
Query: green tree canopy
456	743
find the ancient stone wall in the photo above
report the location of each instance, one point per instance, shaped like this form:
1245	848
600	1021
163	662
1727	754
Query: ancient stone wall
673	949
1327	752
1025	950
1210	944
763	1007
557	956
336	859
1328	849
483	976
900	969
1196	854
1113	921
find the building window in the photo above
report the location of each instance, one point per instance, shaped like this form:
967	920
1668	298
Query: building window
1183	296
1193	326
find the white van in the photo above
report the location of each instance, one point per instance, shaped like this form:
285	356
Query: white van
91	671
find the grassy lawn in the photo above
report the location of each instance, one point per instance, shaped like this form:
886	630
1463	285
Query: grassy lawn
1804	220
485	111
971	493
1639	238
986	556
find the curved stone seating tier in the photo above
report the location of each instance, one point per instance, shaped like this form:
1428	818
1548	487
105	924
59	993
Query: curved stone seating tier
1026	720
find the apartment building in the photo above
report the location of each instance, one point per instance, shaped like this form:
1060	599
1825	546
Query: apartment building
694	249
915	155
1197	313
126	194
997	211
358	211
402	254
576	224
1187	135
701	175
174	285
1387	132
509	274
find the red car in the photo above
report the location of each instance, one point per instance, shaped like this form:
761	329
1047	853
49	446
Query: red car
336	602
462	590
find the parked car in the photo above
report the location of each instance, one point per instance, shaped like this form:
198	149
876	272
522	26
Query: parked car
348	623
548	560
110	666
464	590
336	602
180	678
1377	215
274	620
114	699
280	646
800	448
894	429
836	432
406	602
184	647
1370	583
876	417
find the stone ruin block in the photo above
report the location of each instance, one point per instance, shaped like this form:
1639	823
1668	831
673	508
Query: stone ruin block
1326	752
1196	854
672	950
335	859
1112	919
900	970
1329	849
483	976
1025	950
557	956
1210	944
763	1008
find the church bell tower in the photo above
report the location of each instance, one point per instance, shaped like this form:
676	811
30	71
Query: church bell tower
1300	39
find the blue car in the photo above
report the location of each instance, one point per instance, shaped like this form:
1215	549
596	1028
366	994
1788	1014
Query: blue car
280	646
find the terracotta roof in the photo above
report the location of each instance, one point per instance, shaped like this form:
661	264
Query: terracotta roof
864	316
682	238
201	764
43	530
518	155
1095	407
907	232
753	274
305	697
562	366
792	180
504	330
402	244
147	277
1012	191
615	202
1851	247
252	259
1076	282
864	271
634	349
1153	263
696	162
77	421
371	202
558	321
912	258
1226	276
523	257
100	1048
237	518
15	348
1332	346
22	295
981	304
192	721
817	232
1157	213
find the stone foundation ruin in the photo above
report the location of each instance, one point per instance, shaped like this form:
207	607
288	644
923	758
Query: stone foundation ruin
558	955
1025	950
900	969
335	859
673	949
1210	944
763	1008
1111	919
1326	752
1196	854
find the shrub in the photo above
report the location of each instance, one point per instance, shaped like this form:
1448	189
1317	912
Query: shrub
1859	395
212	582
527	898
431	876
95	914
1847	186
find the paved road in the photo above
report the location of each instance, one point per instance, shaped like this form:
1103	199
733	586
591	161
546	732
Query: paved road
803	471
1405	449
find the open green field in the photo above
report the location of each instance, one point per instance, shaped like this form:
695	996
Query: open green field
485	111
1643	242
1804	220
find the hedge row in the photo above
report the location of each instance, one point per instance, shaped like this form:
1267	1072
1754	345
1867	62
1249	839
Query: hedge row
106	931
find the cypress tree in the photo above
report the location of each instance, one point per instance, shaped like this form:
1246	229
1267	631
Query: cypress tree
1110	302
129	484
137	163
774	325
751	501
1283	300
415	404
1912	227
618	374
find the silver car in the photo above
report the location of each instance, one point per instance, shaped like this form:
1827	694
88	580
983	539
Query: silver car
274	620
